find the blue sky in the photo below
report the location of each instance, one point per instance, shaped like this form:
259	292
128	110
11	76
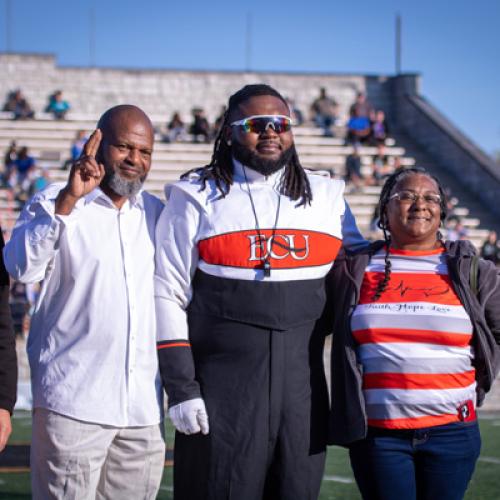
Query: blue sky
454	45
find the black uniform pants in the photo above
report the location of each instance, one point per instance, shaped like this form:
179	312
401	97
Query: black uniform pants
267	404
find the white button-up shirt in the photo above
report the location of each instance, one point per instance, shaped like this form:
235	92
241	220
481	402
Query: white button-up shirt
92	341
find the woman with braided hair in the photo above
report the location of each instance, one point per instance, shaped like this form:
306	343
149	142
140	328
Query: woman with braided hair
416	324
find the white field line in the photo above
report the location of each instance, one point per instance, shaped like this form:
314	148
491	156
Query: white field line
490	460
339	479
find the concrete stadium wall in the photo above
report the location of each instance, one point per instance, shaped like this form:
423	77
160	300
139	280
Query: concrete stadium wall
160	92
448	146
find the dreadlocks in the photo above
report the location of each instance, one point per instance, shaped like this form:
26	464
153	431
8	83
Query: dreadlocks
294	182
383	222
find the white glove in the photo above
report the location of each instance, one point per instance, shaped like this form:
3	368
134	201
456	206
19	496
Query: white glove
190	417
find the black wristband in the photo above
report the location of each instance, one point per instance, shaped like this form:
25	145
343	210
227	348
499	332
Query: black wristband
177	370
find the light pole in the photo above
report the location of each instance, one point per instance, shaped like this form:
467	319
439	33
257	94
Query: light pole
398	44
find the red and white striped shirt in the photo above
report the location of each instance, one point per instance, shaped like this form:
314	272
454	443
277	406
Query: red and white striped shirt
414	344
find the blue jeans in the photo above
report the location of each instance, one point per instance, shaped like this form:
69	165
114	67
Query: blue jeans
424	464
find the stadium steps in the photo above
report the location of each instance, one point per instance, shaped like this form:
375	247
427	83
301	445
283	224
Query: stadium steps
49	141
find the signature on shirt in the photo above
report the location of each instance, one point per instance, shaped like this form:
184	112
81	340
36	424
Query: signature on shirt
426	291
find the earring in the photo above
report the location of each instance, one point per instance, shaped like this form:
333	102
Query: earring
228	142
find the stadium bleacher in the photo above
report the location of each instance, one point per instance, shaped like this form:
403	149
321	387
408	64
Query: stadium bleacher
49	142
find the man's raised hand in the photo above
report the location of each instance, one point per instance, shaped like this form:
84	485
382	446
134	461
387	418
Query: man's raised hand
85	175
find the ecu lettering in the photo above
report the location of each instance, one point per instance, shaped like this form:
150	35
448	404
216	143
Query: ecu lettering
284	248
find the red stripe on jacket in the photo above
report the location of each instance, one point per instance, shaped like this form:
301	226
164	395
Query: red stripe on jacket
175	344
285	249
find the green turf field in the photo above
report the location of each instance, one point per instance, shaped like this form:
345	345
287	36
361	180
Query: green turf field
338	483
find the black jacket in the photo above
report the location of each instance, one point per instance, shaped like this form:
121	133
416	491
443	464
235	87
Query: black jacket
8	358
347	414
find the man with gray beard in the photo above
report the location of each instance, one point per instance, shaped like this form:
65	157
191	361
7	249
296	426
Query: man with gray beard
97	398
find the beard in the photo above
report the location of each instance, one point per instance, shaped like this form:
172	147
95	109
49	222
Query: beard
254	161
120	185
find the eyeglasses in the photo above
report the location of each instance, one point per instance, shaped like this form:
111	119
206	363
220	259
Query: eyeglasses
411	197
260	123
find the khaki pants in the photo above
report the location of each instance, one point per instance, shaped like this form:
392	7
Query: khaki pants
77	460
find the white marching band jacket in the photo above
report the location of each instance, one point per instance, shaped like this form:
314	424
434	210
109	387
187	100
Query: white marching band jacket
253	256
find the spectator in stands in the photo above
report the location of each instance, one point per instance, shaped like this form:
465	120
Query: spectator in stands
10	156
57	106
324	112
220	119
358	129
97	430
18	105
22	302
397	164
19	307
373	227
361	107
78	145
200	125
381	169
457	231
415	349
379	128
76	149
176	129
25	168
452	203
353	169
490	250
32	293
8	359
9	165
295	112
41	181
